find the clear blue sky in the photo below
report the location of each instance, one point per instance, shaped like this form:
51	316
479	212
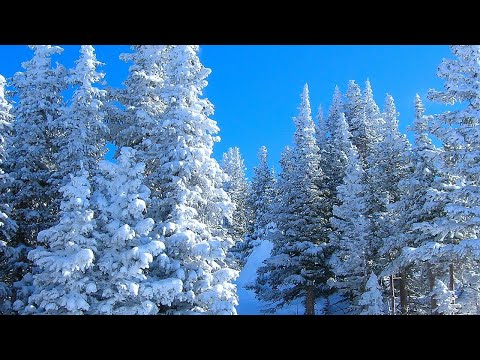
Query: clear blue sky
256	89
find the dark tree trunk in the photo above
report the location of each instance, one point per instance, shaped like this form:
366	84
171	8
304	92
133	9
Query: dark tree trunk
431	284
403	292
310	301
450	285
392	288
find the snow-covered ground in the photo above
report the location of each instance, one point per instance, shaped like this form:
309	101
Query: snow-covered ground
248	304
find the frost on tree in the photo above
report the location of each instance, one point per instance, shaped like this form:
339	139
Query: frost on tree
350	260
64	280
139	122
126	248
31	161
387	165
354	109
192	205
261	199
239	190
415	208
7	225
83	139
371	300
237	187
141	98
297	267
444	299
459	132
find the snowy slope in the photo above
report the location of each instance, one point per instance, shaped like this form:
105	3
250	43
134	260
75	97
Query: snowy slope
248	305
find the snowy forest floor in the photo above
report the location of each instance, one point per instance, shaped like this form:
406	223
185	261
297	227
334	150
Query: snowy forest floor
248	304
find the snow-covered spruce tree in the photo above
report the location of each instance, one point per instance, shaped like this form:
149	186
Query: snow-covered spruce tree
387	165
415	207
64	280
321	130
192	205
371	300
126	249
237	187
7	225
239	190
138	122
351	229
142	105
297	267
374	119
261	197
334	161
444	298
31	160
83	138
354	109
459	132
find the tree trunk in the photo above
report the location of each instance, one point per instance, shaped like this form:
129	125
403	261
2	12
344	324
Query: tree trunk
450	285
392	288
403	292
431	284
310	301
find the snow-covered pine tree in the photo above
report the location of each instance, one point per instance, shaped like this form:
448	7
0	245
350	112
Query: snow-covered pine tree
135	123
321	130
297	267
138	121
459	132
388	164
374	119
7	225
239	190
262	196
414	207
83	138
237	187
31	160
354	109
371	300
351	230
192	204
334	161
64	281
444	298
126	249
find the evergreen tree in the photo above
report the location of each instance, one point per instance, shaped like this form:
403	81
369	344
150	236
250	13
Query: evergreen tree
237	187
387	167
297	268
84	132
262	195
126	250
374	120
239	190
192	204
139	122
64	279
444	298
413	208
31	160
7	225
356	118
459	132
372	299
350	238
